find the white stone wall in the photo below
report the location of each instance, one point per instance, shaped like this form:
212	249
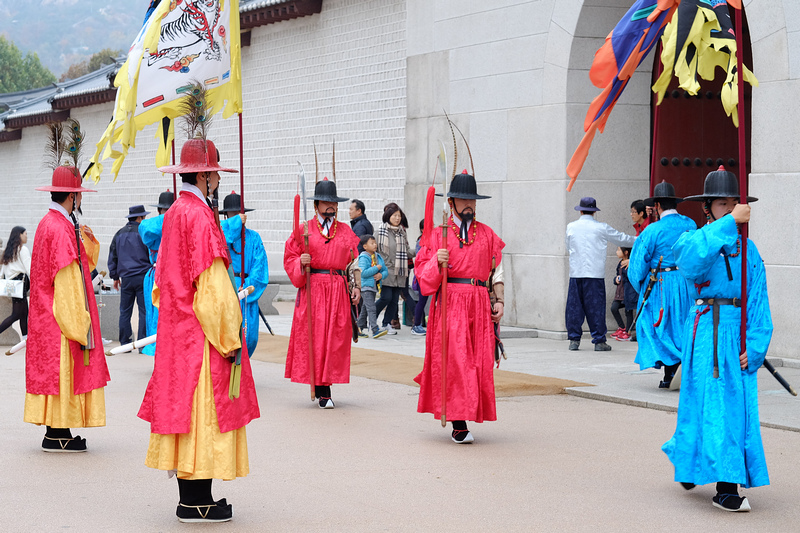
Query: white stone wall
775	36
514	76
336	75
377	75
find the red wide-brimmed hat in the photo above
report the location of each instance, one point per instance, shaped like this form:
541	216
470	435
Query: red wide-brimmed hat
66	179
197	155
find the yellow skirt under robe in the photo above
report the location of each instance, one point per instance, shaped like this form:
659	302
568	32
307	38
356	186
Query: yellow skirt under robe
66	410
204	452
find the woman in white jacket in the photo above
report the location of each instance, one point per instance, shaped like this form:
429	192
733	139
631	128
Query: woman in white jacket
16	264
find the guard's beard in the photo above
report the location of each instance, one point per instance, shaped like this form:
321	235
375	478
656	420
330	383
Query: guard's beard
466	216
330	213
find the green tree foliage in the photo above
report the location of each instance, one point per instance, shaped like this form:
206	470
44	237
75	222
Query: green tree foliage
105	56
18	73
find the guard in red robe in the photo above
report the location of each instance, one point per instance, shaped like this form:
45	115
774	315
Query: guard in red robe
197	428
332	246
473	258
64	379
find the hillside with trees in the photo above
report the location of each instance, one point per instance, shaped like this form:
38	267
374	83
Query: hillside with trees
67	32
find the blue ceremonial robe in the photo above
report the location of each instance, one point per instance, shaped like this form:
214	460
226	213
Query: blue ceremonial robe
660	344
150	231
256	270
718	437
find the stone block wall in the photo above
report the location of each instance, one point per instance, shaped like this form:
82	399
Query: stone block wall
339	75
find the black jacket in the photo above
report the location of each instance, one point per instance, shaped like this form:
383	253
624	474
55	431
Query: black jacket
361	226
128	256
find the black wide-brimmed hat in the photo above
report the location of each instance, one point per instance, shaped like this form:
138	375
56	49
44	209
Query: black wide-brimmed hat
587	203
720	184
137	211
165	200
662	191
325	191
463	186
233	204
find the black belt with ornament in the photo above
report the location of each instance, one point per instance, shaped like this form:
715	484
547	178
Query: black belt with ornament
667	269
332	271
713	304
468	281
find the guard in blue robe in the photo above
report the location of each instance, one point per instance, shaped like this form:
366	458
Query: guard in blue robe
718	437
659	328
150	232
255	264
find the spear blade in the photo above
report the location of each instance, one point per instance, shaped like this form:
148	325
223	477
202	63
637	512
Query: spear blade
301	177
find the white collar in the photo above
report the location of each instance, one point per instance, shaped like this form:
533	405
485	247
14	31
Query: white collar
60	208
194	189
325	228
669	212
457	220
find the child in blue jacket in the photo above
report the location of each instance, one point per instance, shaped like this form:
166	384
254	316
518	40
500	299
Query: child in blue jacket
373	270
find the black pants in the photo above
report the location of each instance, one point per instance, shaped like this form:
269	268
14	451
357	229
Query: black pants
388	301
19	311
132	289
586	300
615	306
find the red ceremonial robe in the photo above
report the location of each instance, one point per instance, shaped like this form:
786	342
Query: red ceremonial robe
55	248
330	305
191	241
470	332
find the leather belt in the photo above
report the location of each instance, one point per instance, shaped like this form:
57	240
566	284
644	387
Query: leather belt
667	269
714	303
468	281
332	271
736	302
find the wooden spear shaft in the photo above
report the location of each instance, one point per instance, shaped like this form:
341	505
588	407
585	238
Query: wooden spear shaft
742	165
443	315
311	370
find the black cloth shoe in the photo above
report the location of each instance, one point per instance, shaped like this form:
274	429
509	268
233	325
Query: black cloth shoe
688	486
462	436
326	403
204	513
731	502
62	445
574	345
602	347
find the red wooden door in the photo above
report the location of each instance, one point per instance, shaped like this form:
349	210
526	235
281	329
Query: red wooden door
694	135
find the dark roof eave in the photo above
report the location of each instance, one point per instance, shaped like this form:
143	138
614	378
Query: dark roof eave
82	100
10	135
37	120
276	13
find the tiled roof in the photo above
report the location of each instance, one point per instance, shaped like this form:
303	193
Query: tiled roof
97	86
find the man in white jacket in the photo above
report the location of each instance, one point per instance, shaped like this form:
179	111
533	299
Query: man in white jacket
587	241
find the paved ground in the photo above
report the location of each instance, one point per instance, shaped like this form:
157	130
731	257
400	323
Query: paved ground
550	463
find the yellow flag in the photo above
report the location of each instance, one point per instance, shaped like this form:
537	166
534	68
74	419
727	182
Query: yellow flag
181	43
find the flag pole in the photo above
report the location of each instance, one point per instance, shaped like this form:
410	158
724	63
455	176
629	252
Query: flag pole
742	163
241	192
174	179
656	113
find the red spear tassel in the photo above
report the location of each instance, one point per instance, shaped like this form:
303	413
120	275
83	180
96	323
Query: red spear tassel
427	228
296	220
660	316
